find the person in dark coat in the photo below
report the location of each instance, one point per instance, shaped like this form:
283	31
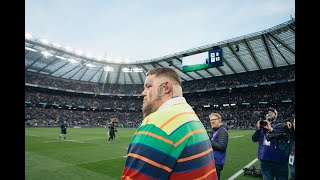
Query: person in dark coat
219	141
63	132
112	131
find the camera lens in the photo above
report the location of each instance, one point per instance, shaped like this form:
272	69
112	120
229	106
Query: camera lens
262	123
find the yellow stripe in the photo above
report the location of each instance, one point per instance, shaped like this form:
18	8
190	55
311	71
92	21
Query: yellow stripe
150	162
174	117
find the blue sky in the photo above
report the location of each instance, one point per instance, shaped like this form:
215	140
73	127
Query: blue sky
146	29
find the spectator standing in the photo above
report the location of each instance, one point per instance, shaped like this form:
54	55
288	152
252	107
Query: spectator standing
219	140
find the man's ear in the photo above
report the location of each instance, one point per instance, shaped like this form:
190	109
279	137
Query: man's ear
167	88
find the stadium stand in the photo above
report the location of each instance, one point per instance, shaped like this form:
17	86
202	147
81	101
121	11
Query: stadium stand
259	75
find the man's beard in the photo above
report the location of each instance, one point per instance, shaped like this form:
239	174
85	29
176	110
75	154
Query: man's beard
150	107
147	109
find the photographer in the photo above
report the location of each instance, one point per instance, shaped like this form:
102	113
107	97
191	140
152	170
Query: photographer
273	163
287	147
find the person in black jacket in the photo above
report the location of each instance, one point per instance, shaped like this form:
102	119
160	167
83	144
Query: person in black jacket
63	127
112	130
219	141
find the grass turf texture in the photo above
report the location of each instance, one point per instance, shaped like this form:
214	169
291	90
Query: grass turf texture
85	154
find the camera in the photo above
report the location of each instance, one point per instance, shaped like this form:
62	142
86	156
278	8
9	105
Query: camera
261	115
262	123
282	130
252	171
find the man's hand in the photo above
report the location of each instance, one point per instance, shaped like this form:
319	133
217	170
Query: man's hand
268	126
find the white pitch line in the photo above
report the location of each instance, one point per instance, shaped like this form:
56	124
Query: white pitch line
89	139
50	141
241	171
60	140
73	140
32	135
237	136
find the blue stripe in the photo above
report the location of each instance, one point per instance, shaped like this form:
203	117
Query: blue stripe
153	154
194	164
198	162
146	169
195	148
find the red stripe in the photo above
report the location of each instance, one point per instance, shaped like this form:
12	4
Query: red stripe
207	172
131	174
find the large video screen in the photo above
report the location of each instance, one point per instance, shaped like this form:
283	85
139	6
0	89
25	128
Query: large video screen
195	62
205	60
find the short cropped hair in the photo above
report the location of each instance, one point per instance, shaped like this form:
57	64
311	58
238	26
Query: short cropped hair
165	72
215	114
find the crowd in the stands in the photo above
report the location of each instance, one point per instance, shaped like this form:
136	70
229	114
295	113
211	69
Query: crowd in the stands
278	95
266	75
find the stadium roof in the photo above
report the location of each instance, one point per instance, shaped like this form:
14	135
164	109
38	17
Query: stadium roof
270	48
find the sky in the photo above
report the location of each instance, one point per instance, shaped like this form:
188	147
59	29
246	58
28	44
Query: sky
145	29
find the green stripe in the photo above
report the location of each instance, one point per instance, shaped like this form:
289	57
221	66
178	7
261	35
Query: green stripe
188	127
155	142
175	137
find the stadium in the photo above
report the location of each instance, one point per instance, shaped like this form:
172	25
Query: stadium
258	72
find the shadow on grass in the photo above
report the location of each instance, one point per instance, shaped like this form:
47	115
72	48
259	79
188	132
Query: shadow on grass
111	167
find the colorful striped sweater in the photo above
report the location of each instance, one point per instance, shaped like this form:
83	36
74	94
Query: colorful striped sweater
171	143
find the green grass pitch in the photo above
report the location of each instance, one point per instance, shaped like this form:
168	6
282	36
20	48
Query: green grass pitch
86	155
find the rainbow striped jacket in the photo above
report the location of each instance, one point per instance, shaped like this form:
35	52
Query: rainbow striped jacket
170	143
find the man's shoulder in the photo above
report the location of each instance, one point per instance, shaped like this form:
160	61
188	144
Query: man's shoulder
224	127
